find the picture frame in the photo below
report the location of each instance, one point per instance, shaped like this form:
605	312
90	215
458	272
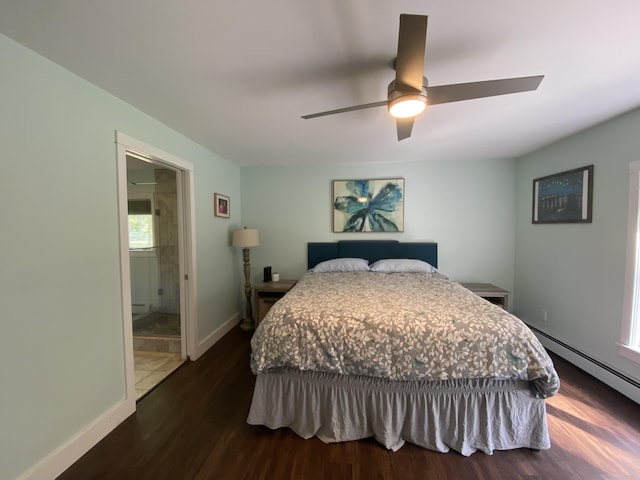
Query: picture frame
565	197
368	205
221	205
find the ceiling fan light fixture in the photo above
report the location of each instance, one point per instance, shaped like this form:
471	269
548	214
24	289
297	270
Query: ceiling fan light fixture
407	93
407	106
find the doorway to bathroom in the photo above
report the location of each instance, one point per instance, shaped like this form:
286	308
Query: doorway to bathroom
157	263
152	207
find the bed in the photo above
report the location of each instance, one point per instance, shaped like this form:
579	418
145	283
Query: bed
401	354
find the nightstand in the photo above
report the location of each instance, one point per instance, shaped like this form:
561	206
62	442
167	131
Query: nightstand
268	293
490	292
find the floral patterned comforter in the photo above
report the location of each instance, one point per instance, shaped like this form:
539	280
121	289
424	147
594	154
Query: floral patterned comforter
398	326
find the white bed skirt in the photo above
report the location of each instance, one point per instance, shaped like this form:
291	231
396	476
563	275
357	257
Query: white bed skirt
463	415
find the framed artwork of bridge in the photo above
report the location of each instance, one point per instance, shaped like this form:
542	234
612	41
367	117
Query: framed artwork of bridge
565	197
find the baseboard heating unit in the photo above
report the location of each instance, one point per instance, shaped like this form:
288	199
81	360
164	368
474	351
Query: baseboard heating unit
551	342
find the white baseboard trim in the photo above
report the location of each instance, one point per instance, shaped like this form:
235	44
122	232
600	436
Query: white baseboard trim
606	377
69	452
216	335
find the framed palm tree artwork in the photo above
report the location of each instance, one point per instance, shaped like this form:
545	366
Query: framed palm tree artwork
375	205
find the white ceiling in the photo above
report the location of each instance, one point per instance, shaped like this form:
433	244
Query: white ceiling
235	76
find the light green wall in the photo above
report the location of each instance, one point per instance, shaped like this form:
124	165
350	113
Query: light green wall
576	271
467	207
61	348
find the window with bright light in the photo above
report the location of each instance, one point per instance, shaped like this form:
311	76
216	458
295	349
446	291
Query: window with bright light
630	335
141	228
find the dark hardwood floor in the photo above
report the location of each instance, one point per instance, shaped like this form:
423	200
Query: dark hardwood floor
193	426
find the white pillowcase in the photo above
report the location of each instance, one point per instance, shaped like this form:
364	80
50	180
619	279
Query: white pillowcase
342	265
399	265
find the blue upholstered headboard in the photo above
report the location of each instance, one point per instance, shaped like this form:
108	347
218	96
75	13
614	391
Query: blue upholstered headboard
371	250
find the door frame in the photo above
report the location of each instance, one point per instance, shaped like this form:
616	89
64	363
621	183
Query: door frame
186	247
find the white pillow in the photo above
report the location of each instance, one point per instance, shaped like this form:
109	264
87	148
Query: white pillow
342	265
398	265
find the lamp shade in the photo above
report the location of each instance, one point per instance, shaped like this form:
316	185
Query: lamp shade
245	238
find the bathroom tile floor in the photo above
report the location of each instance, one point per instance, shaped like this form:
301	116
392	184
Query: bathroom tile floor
153	367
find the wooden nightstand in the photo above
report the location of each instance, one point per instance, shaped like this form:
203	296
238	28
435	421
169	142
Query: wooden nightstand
269	293
490	292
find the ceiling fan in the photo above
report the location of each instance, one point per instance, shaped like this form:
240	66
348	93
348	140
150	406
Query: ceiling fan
408	95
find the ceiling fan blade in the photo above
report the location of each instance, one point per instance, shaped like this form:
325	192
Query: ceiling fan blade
412	39
404	126
490	88
346	109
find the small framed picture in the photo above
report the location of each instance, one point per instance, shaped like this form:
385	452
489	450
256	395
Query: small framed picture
221	205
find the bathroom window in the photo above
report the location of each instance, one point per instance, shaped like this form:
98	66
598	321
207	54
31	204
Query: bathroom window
141	227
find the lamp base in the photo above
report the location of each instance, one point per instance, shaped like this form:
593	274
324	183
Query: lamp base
247	325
